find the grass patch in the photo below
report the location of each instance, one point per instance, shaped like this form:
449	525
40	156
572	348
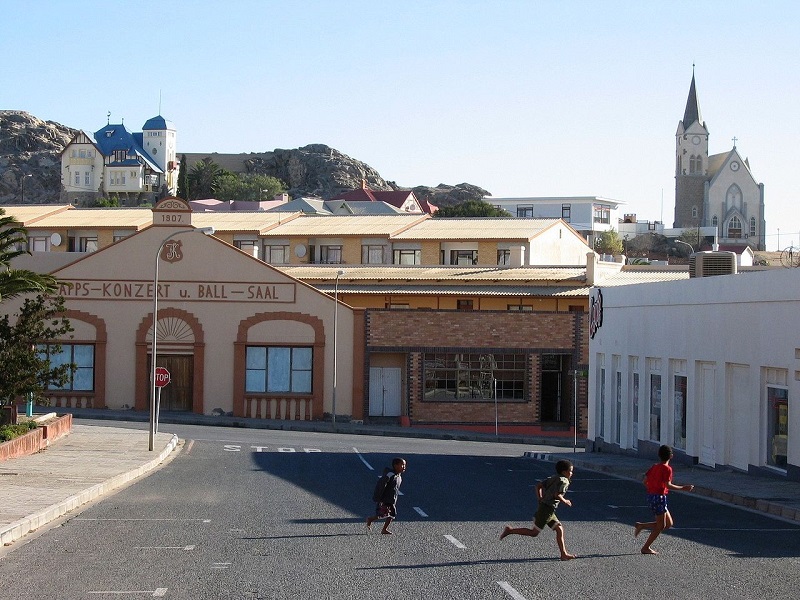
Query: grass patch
9	432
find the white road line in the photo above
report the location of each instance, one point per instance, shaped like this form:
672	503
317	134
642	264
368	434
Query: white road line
84	519
156	593
369	466
510	590
421	512
221	565
163	547
795	529
627	506
455	542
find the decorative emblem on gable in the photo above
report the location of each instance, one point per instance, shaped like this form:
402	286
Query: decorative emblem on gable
172	251
595	313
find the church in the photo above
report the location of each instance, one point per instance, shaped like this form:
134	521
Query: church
716	190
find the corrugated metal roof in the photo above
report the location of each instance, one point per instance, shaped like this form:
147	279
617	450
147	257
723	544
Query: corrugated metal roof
30	213
438	273
255	222
98	218
453	290
343	225
636	277
476	229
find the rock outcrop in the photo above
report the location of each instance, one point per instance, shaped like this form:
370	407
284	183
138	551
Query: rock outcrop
30	158
30	161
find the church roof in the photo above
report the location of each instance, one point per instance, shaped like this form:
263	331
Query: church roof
158	122
692	112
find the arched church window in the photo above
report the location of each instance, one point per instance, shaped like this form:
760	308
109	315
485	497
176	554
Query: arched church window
694	164
694	212
714	221
752	227
734	228
733	199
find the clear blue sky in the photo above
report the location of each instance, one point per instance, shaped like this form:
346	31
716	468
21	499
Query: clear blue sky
520	98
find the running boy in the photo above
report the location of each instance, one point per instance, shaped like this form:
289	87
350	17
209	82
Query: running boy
386	504
550	493
658	481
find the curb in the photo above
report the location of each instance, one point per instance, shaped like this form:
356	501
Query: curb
26	525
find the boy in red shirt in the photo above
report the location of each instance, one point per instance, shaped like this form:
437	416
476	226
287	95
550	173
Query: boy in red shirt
658	481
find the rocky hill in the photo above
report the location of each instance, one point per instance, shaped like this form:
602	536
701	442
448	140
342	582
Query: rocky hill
30	158
30	146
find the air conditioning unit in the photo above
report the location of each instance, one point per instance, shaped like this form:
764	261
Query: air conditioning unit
708	264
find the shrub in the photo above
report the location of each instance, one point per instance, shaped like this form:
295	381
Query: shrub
9	432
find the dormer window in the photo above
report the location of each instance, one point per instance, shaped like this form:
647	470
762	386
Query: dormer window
109	133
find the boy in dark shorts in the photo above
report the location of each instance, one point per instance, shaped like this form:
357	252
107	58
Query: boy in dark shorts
658	481
386	505
550	493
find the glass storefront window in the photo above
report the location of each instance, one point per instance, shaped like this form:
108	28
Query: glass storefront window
655	407
680	412
777	426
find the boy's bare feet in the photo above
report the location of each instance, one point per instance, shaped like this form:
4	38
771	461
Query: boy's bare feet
369	522
638	529
506	531
387	532
568	556
648	551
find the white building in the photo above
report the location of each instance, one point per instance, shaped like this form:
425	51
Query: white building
589	215
708	365
136	167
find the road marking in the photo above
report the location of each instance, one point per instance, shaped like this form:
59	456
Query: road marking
164	547
221	565
286	450
156	593
510	590
311	450
628	506
363	460
85	519
455	542
420	511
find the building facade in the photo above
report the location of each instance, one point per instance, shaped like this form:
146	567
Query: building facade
721	388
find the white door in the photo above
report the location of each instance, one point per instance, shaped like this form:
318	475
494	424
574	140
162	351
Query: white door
739	429
708	393
384	392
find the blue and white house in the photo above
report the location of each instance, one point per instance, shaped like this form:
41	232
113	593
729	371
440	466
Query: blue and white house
137	167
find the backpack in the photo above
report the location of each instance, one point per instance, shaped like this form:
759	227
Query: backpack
380	487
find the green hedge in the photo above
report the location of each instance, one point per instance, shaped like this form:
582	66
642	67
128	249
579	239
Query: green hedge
9	432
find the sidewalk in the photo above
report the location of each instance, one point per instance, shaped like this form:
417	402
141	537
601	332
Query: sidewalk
92	461
83	465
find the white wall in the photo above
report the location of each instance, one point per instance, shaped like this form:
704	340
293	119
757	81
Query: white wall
730	336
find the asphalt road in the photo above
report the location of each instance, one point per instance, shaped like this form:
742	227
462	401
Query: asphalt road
259	514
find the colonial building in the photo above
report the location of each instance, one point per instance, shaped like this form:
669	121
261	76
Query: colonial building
456	323
717	190
135	167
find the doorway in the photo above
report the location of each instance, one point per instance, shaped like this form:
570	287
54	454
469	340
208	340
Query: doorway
384	391
554	409
177	395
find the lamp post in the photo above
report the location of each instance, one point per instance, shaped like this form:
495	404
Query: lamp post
339	273
206	231
23	187
685	244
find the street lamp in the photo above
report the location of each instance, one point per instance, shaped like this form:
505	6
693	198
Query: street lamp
153	424
685	244
339	273
23	187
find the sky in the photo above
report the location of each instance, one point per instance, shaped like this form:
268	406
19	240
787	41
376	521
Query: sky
521	98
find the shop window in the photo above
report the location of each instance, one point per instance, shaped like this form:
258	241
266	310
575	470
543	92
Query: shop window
474	377
655	407
777	426
81	356
680	411
275	369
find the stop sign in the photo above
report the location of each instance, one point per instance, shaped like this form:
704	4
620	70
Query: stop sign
162	376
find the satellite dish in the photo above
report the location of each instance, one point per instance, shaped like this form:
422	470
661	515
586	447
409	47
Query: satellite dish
300	250
55	239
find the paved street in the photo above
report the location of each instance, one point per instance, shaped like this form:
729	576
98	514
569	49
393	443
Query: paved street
246	513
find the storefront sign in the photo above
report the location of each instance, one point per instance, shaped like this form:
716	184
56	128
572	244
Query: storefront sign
83	289
595	313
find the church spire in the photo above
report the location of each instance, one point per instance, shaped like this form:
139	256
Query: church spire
692	112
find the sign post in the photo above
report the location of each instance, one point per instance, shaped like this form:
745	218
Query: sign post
162	379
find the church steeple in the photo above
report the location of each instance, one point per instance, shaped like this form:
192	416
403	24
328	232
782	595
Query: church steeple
692	112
